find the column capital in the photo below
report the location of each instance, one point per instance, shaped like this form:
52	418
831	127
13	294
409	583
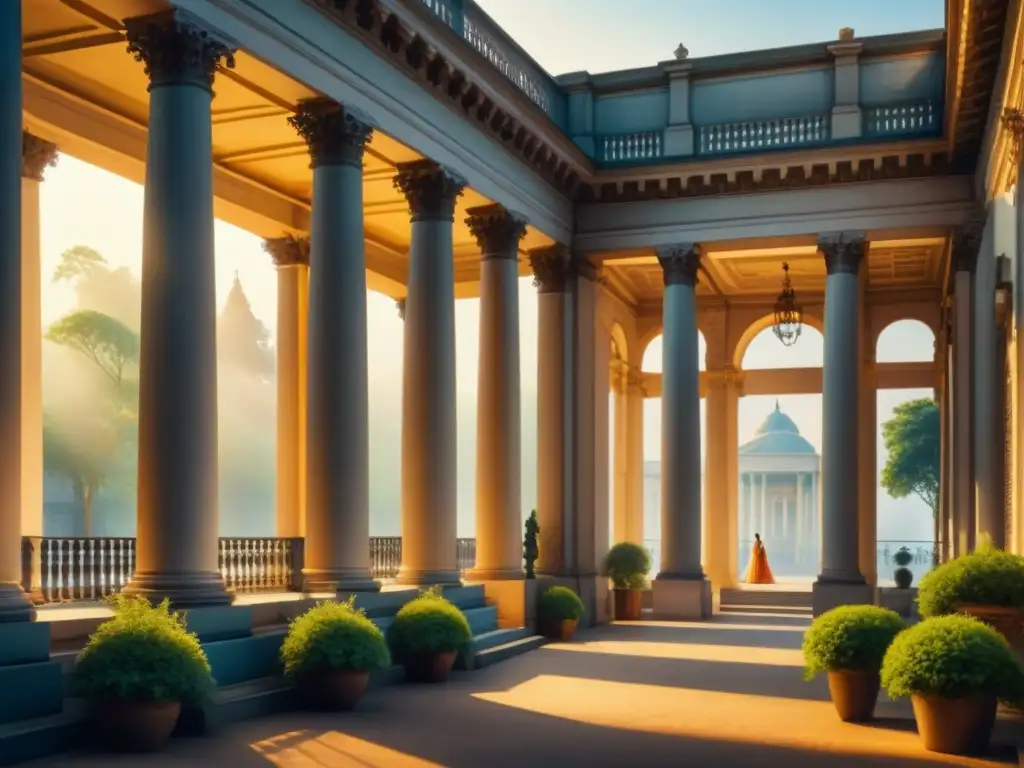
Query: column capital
400	306
550	266
966	242
581	266
430	189
497	231
176	50
725	378
36	156
335	133
679	263
288	251
843	252
1013	122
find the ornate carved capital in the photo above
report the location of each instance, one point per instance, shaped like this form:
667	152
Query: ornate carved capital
288	251
36	156
581	266
497	231
1013	122
725	378
430	189
966	242
680	263
843	252
550	268
400	306
335	134
176	50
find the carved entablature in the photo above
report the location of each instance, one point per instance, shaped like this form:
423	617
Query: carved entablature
288	251
680	263
175	50
843	252
430	189
335	134
725	378
497	231
966	243
36	156
550	266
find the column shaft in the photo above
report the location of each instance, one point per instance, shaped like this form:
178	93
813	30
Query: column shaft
988	447
634	458
721	524
966	243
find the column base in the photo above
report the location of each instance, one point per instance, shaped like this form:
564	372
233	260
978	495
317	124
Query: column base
494	574
354	580
412	577
682	599
15	604
184	590
827	594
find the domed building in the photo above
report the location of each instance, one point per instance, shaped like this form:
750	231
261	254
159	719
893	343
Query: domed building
780	473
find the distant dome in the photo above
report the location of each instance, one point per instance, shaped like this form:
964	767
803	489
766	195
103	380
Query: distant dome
777	421
778	434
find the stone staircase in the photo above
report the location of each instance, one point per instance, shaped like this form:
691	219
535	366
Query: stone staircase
775	601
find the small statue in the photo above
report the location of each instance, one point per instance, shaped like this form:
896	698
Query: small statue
530	548
682	52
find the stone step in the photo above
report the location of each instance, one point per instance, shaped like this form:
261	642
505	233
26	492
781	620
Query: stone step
783	610
43	736
749	597
467	596
482	620
507	651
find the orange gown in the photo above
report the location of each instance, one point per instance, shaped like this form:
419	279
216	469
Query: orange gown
758	571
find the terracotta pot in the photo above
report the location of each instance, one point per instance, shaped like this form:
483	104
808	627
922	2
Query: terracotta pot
629	604
1009	622
135	726
557	629
332	690
955	726
433	667
854	693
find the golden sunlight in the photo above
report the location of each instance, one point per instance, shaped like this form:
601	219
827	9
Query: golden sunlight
735	654
306	749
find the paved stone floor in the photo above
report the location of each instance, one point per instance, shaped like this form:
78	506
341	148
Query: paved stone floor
723	693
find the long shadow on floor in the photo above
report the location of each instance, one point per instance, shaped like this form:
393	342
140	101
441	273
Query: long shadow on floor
750	631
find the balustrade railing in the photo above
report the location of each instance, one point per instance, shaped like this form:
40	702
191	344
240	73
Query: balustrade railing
914	119
760	135
637	147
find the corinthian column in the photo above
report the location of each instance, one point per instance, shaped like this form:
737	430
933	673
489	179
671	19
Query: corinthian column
680	589
177	496
840	580
499	514
429	473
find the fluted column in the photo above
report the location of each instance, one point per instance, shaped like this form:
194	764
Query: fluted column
177	486
291	257
549	266
429	473
337	553
966	244
499	514
841	580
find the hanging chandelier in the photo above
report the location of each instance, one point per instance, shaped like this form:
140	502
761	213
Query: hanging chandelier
789	316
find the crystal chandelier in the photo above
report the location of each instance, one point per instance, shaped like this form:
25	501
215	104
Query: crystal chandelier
789	315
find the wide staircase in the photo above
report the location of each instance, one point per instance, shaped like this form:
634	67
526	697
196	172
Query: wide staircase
775	601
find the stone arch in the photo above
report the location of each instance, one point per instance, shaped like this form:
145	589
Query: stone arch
884	316
654	344
752	331
925	354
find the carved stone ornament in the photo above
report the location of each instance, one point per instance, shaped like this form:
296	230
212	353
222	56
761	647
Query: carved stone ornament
400	306
176	51
843	252
966	242
335	134
430	189
550	268
288	251
1013	122
680	263
497	231
725	378
36	156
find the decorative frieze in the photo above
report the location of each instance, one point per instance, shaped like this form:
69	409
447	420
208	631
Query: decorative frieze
497	231
430	189
177	51
680	263
843	252
36	156
335	133
550	266
288	251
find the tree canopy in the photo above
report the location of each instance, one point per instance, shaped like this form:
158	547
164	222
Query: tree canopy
912	438
105	340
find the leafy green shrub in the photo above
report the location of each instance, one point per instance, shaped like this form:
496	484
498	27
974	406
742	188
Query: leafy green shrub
428	624
952	656
903	577
903	557
560	603
627	565
986	577
333	635
850	637
143	653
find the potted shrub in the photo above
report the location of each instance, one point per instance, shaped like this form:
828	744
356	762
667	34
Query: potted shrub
987	584
954	669
136	672
558	612
627	565
330	651
848	643
426	635
903	575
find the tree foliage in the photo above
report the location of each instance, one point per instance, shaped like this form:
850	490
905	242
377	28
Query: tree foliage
912	439
105	340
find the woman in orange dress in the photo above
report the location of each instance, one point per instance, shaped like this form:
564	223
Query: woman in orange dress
758	571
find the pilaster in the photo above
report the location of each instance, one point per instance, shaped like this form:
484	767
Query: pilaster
847	119
679	133
721	476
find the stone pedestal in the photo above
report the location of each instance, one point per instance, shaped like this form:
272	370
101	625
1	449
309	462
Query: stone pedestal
682	599
828	595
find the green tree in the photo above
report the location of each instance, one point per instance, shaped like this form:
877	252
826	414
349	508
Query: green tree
912	439
105	340
114	292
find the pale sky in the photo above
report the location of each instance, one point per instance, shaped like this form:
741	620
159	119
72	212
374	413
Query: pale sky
82	205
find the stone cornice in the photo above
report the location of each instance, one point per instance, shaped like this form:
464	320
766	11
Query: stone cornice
36	156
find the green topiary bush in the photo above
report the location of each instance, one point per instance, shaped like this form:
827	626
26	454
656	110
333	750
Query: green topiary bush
627	565
850	637
952	656
903	577
333	635
428	624
986	577
903	557
561	604
144	653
